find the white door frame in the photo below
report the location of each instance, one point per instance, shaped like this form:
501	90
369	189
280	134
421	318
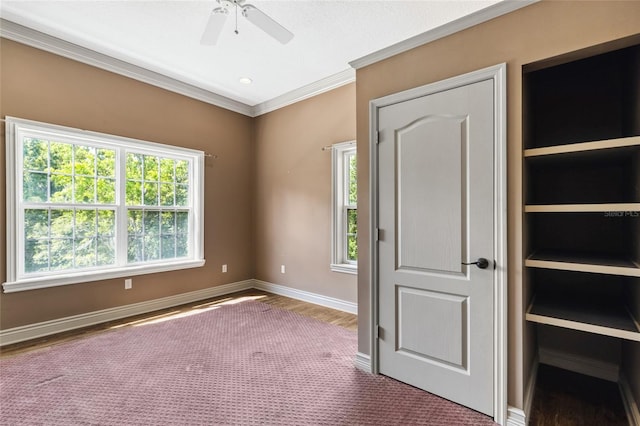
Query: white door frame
498	74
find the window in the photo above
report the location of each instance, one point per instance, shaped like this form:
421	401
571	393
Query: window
344	251
85	206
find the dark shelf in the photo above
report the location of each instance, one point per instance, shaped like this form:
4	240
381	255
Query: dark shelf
584	100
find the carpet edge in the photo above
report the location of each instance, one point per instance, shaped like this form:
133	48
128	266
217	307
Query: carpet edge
46	328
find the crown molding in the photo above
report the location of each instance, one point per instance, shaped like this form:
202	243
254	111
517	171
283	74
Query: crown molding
310	90
25	35
30	37
483	15
21	34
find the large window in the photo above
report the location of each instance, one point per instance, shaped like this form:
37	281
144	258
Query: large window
344	252
84	206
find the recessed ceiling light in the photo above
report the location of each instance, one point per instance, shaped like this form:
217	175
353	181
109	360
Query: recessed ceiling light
245	80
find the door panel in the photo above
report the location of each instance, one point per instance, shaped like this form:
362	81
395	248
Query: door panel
445	320
429	192
435	211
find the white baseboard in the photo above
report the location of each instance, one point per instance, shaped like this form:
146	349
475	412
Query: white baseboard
362	362
318	299
588	366
46	328
629	402
516	417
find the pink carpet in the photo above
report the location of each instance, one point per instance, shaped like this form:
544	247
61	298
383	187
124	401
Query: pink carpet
241	364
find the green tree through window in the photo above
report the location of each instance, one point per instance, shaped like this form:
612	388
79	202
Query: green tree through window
89	205
352	209
69	219
156	191
344	249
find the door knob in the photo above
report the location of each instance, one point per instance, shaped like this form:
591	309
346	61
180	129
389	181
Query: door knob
481	263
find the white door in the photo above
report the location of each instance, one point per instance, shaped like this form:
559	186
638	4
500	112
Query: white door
436	213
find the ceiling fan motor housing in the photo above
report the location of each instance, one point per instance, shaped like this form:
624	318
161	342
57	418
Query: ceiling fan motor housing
230	3
251	13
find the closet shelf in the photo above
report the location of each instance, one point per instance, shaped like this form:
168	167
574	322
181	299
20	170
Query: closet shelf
630	209
583	147
605	319
583	263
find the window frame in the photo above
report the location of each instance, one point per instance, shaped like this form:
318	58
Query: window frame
340	205
17	280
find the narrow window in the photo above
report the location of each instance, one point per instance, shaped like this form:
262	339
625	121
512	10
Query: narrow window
344	252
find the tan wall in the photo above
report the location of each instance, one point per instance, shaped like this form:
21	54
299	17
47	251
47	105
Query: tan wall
292	208
40	86
289	216
530	34
293	192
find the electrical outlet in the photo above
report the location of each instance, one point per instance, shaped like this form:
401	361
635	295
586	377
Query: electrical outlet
128	283
282	269
224	268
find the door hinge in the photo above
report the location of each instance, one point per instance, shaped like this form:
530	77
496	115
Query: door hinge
377	136
376	332
377	234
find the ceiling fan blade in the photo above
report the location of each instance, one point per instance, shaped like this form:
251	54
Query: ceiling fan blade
266	24
214	26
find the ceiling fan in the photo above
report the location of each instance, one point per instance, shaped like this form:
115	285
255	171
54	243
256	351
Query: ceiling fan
253	14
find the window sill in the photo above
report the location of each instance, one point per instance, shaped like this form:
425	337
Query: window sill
87	276
345	268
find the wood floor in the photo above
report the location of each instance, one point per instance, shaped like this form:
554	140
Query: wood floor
561	399
564	398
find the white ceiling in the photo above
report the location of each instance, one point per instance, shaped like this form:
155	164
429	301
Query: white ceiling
164	37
